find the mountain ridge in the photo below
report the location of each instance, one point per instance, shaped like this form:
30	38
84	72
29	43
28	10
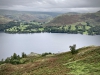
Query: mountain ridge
28	15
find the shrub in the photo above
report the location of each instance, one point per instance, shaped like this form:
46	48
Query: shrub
15	61
44	54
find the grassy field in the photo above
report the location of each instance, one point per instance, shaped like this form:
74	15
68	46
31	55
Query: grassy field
85	62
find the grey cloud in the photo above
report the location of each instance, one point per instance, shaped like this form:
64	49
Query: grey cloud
50	5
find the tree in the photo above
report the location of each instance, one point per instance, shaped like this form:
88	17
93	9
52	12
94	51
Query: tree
23	55
18	57
14	56
73	50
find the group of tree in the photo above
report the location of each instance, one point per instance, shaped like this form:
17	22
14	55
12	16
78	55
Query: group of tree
3	27
62	29
38	28
14	59
94	30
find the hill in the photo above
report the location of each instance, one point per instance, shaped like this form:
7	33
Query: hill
28	15
85	62
73	18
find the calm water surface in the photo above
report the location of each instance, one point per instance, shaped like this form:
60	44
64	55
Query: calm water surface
43	42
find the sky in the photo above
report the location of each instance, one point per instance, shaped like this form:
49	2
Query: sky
51	5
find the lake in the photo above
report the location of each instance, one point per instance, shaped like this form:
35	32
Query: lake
43	42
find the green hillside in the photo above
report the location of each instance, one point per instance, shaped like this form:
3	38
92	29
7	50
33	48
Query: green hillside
85	62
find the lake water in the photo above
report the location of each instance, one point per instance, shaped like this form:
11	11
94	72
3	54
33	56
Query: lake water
43	42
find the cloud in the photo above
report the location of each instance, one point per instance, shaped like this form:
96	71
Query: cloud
51	5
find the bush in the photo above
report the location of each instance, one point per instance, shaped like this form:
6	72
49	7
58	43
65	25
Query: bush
22	61
15	61
44	54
